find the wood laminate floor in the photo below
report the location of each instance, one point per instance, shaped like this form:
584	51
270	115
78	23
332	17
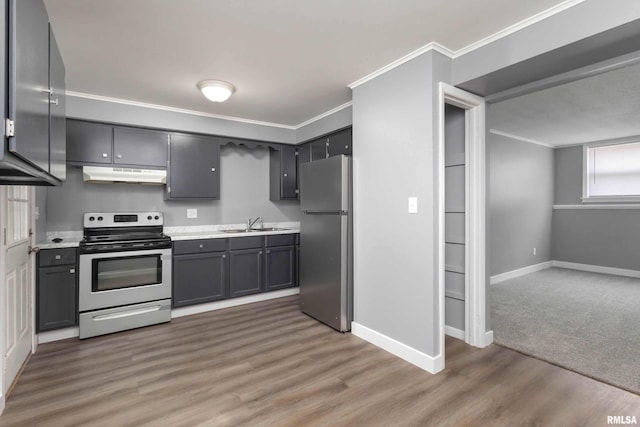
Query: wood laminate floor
267	364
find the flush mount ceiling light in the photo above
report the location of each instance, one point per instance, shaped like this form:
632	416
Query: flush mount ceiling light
216	90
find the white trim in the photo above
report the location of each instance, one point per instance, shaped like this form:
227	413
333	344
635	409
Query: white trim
475	226
433	46
454	332
424	361
174	109
531	20
232	302
600	206
597	269
521	138
57	335
488	338
323	115
498	278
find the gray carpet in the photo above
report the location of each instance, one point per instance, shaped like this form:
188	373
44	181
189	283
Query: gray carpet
586	322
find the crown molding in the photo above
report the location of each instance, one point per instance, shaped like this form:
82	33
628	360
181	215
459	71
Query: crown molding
554	10
521	138
175	110
325	114
433	46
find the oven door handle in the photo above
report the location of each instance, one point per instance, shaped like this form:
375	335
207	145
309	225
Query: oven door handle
127	313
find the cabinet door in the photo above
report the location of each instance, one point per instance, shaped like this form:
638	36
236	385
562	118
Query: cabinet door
29	81
282	171
89	142
56	297
57	112
199	278
340	143
140	147
279	267
194	167
245	272
319	149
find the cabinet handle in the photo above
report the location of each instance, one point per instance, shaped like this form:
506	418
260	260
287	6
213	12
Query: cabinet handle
58	256
118	156
224	256
53	101
201	246
49	91
285	174
72	271
268	252
260	253
213	169
346	147
105	155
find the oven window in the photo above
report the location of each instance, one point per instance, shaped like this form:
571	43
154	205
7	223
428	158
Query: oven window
126	272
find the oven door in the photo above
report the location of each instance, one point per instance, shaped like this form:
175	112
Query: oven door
115	279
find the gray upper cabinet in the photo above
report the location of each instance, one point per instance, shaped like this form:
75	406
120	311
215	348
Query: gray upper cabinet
103	144
29	74
194	168
35	151
282	169
89	142
140	147
339	143
318	149
57	112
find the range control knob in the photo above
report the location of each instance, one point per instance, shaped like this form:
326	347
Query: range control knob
149	217
100	218
91	218
156	217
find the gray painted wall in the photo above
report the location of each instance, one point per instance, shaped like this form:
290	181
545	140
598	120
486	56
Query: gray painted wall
41	219
605	237
337	120
593	16
521	192
244	193
394	131
98	110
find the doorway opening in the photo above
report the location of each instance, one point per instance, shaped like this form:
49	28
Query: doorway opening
461	218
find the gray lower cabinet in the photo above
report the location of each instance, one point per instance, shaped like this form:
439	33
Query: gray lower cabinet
194	168
199	271
279	267
199	278
245	272
56	289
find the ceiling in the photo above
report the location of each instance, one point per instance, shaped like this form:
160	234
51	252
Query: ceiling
290	60
597	108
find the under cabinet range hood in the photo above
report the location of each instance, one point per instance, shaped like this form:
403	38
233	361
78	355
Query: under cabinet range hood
101	174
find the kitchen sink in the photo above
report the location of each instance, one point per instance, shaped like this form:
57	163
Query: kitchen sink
253	230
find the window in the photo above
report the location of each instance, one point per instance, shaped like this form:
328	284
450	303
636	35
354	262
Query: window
17	214
611	172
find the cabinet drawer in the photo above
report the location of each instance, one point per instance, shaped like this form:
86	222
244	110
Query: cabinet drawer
245	242
52	257
200	245
281	240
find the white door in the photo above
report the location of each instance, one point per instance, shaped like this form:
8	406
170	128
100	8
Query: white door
17	289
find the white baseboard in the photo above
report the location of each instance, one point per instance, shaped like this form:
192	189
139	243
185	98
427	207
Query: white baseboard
60	334
597	269
424	361
232	302
520	272
454	332
488	339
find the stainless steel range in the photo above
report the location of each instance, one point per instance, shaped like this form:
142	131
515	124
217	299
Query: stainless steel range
125	272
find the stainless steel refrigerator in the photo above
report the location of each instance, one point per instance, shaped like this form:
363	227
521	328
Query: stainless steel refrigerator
326	282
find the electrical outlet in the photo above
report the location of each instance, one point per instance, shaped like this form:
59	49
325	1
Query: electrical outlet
413	205
192	213
534	251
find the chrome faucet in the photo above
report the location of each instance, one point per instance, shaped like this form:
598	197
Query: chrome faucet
251	223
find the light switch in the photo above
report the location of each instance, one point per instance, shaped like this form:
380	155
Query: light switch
413	205
192	213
